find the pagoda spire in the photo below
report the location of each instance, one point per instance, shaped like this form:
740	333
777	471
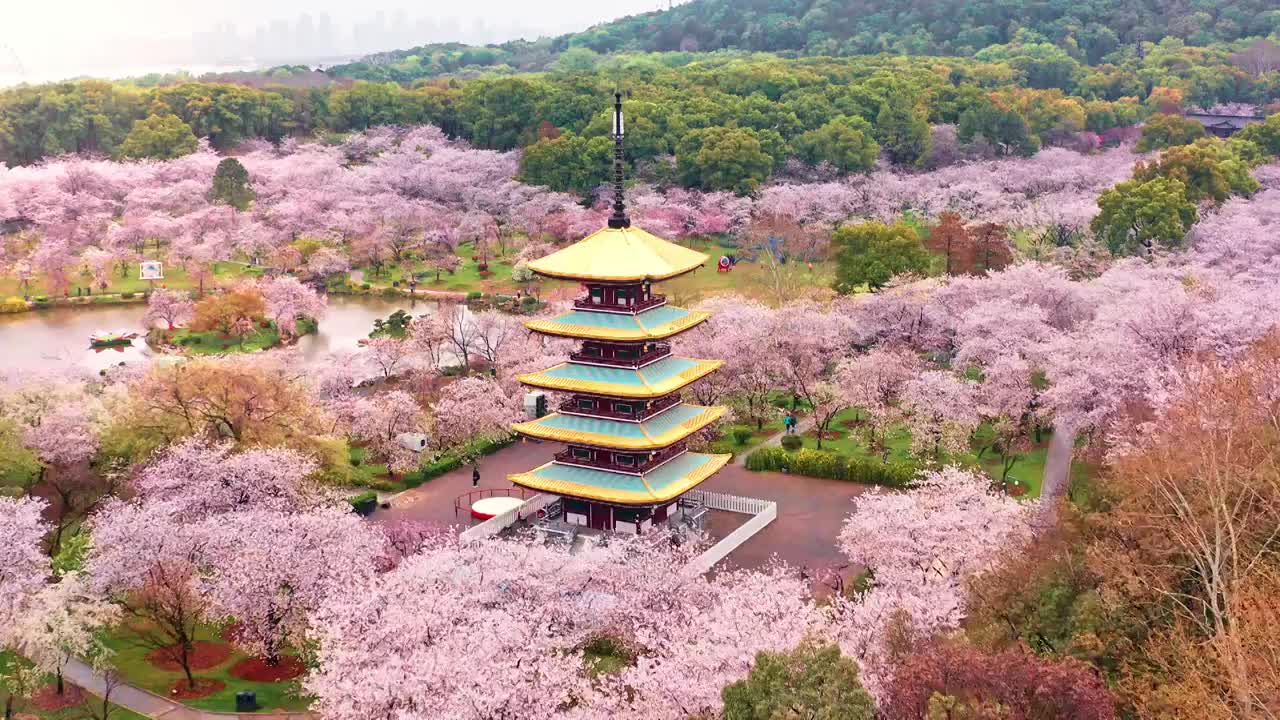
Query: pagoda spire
619	218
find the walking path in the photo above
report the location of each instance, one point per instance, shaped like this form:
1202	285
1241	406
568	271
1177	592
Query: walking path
357	279
155	706
804	424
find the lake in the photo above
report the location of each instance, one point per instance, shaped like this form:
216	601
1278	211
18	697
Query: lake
61	335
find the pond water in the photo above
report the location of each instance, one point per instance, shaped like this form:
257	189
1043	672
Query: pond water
61	335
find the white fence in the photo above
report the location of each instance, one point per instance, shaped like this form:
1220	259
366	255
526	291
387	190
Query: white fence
763	512
495	524
730	503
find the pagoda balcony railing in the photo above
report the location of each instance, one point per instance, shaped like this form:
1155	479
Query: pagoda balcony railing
631	309
659	351
570	407
566	457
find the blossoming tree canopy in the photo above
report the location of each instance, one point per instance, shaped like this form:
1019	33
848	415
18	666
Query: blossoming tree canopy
498	628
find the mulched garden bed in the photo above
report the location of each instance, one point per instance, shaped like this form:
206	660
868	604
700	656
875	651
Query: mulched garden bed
180	690
257	670
203	655
48	699
229	633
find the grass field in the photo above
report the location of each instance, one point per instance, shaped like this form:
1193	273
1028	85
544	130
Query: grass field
1028	470
131	660
175	278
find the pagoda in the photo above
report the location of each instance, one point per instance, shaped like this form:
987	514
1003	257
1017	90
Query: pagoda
626	429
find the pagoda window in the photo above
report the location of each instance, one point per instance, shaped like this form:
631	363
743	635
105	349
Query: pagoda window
591	349
597	294
625	460
582	453
623	407
586	404
627	354
623	296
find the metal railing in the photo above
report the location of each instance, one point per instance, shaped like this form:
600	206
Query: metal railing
465	500
498	523
566	457
659	351
570	407
636	307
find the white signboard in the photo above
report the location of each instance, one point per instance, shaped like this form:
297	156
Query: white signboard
151	270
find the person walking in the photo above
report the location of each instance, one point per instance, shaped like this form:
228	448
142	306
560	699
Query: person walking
475	475
789	424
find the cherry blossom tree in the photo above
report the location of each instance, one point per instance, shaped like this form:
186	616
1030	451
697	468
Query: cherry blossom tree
941	411
387	354
524	612
327	262
270	570
61	622
379	420
288	299
199	479
874	383
472	409
174	307
149	562
24	568
920	546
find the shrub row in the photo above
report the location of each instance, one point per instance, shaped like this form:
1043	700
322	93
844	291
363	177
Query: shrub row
451	461
365	502
823	464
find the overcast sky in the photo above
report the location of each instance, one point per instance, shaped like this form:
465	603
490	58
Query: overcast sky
52	39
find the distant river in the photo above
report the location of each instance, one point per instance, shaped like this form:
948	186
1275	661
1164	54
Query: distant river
41	337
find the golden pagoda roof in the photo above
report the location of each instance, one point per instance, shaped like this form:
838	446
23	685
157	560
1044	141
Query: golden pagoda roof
619	255
654	380
661	484
655	324
666	428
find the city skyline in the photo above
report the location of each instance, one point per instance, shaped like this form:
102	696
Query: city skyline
134	37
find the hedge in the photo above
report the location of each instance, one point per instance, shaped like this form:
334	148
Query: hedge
364	503
450	461
823	464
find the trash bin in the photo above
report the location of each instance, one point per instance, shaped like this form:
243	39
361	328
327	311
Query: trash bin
246	701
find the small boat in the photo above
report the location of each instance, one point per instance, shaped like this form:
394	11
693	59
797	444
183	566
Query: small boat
105	338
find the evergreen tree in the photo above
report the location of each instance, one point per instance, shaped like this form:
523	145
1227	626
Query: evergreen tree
1004	128
845	142
159	137
872	253
1135	216
812	681
231	185
902	127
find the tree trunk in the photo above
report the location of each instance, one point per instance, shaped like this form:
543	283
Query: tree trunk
61	687
185	659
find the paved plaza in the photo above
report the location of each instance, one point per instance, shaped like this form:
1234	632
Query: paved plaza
810	510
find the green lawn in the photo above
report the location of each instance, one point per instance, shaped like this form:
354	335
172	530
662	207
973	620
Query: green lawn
175	278
1029	469
726	443
213	342
131	660
363	473
465	279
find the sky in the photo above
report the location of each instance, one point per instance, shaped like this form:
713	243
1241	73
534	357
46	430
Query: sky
42	40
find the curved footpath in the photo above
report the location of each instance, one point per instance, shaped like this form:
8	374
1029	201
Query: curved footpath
1057	471
155	706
